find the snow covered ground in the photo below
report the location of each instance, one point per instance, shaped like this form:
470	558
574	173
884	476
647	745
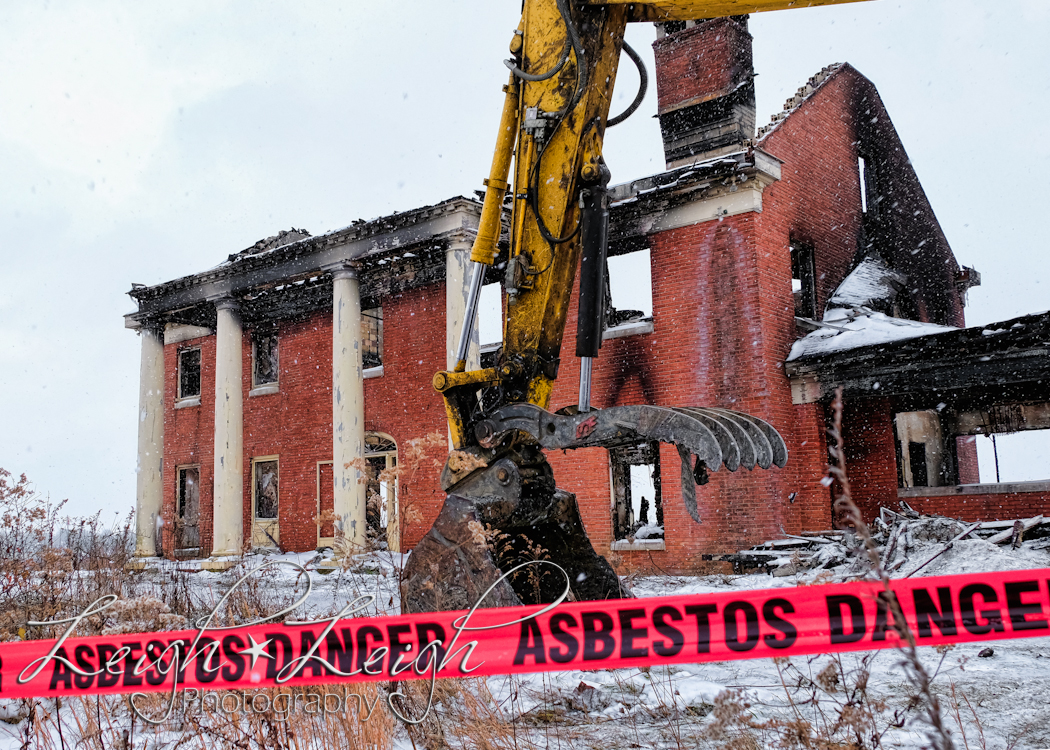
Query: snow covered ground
1000	701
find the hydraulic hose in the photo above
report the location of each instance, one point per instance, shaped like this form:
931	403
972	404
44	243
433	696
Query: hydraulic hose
537	77
581	59
643	85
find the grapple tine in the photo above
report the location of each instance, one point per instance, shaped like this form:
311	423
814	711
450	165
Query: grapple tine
688	484
732	453
763	450
716	437
743	446
776	442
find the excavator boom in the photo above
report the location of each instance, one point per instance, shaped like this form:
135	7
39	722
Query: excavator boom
565	55
694	10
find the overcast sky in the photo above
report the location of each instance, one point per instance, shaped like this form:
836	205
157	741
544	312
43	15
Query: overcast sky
142	141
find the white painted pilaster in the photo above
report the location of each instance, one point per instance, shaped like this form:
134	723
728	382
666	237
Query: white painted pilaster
228	494
149	484
348	406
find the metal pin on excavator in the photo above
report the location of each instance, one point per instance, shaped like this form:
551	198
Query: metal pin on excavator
565	55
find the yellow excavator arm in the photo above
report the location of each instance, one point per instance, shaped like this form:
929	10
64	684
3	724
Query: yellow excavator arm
694	10
564	59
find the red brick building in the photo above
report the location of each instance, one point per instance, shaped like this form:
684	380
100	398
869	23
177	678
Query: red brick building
320	349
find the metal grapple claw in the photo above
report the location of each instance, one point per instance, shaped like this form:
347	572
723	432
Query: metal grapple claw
716	437
510	510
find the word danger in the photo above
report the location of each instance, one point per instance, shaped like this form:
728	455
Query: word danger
232	659
815	619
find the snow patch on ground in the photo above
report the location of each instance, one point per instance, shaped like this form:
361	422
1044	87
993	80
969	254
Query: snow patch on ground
670	707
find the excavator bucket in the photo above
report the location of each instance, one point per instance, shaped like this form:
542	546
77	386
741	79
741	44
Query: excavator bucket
509	510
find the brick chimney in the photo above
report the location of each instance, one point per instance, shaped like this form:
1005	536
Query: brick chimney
705	88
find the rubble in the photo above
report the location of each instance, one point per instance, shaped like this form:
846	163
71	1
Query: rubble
907	543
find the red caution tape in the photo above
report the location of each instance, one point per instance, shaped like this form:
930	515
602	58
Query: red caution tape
582	635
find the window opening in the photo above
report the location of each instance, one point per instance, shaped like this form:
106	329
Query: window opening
1000	443
189	373
372	337
926	451
264	359
325	504
638	512
1014	457
381	493
265	501
917	458
187	510
862	171
630	287
803	280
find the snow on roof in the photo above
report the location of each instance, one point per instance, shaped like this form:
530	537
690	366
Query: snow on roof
852	327
282	238
871	284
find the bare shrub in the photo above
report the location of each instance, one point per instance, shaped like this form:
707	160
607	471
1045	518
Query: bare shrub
52	566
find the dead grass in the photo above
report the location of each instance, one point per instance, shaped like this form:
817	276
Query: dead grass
51	567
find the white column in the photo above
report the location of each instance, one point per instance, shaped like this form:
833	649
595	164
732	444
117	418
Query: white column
457	288
348	407
228	493
149	489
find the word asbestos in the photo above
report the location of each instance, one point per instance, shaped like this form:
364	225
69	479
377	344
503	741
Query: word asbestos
581	635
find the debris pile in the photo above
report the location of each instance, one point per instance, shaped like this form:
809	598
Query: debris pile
908	544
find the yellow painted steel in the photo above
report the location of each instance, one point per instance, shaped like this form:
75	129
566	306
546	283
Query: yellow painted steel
485	250
536	316
552	170
443	381
691	10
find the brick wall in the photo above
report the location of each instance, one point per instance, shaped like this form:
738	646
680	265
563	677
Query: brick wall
403	402
702	62
295	424
189	439
986	507
871	464
708	348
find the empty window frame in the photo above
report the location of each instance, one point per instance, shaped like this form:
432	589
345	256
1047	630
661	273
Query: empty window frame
638	513
325	504
630	288
490	314
189	373
803	280
265	502
869	195
265	362
381	511
926	453
372	337
862	170
187	509
1010	441
1013	457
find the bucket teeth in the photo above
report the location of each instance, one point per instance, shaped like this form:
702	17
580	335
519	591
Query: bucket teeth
716	437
